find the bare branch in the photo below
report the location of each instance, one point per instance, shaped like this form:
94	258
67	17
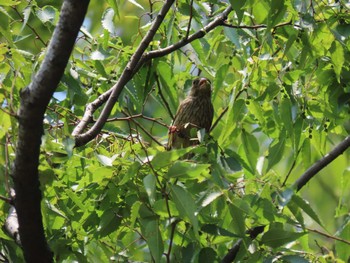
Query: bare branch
143	129
190	20
128	118
319	165
128	73
219	118
34	100
166	104
329	236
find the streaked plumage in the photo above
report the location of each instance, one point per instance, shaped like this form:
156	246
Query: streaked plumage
196	111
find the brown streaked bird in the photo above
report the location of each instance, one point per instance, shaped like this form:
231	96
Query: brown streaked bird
196	111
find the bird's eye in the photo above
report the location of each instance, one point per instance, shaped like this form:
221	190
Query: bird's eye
195	82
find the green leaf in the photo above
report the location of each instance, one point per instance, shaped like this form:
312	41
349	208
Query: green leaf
150	231
48	14
217	231
276	151
185	205
150	186
131	173
251	149
237	6
134	2
108	21
9	2
168	84
69	143
183	169
343	251
261	11
338	58
5	123
238	220
293	259
107	161
134	213
231	163
77	200
162	159
306	153
210	197
109	222
255	108
207	255
277	237
305	206
286	115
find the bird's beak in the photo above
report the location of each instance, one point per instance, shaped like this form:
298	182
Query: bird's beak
203	81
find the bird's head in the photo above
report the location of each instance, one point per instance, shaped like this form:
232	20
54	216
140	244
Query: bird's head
201	87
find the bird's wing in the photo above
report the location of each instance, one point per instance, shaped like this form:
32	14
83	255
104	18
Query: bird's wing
182	115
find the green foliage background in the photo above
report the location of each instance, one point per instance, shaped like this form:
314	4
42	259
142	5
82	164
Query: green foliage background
280	75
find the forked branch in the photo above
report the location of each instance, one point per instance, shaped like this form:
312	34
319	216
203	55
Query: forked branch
136	62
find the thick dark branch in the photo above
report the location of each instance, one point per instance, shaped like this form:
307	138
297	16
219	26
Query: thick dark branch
319	165
34	100
128	73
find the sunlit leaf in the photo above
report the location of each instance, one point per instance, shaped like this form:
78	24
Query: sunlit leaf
185	205
150	186
183	169
165	158
47	14
134	2
337	55
276	151
305	206
108	21
151	232
276	237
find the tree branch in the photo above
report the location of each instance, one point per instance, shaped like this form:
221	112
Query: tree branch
128	73
299	183
136	62
34	100
218	21
320	164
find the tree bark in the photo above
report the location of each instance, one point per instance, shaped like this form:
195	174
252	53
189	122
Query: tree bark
34	100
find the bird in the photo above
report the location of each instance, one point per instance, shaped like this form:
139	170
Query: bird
196	111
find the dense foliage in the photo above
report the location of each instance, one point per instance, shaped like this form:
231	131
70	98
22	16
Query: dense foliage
280	73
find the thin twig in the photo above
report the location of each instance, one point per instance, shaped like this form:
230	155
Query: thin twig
329	236
163	98
219	118
143	129
37	36
190	20
291	168
257	26
140	115
173	227
6	199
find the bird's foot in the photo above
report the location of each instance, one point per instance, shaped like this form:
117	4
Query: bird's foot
173	129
